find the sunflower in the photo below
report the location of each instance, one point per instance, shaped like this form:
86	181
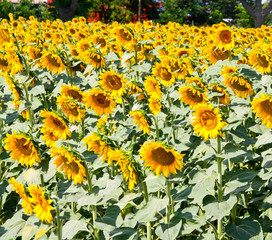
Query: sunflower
207	121
42	206
224	38
154	105
4	63
262	106
215	54
99	40
49	137
34	52
164	74
97	145
260	61
113	82
124	36
161	158
99	101
135	89
19	188
225	98
70	162
191	96
152	87
73	92
95	59
198	82
5	35
56	124
238	84
140	120
125	165
22	149
52	62
70	108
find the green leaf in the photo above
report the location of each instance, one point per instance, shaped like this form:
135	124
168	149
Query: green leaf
247	230
72	227
218	209
154	183
183	194
3	186
124	233
11	228
204	186
169	230
264	139
111	219
149	211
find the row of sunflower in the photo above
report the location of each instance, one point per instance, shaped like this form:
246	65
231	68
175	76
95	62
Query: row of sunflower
136	131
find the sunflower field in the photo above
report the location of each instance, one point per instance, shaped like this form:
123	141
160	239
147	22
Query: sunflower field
134	131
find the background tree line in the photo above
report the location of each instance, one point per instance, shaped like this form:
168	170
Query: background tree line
244	13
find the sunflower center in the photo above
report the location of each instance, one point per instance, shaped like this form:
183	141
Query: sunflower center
267	106
239	85
209	120
162	157
194	96
37	53
58	123
3	62
219	54
101	100
71	165
74	94
181	53
261	59
114	82
96	58
53	60
24	147
165	74
125	35
101	41
225	36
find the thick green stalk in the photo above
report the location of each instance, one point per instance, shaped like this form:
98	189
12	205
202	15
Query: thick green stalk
168	208
220	187
59	224
148	224
94	210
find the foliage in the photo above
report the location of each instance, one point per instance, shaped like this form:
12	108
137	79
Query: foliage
6	8
99	139
244	19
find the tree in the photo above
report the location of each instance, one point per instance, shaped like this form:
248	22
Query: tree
66	9
197	12
256	10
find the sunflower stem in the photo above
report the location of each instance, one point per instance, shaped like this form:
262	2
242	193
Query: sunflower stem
168	208
82	132
42	181
59	224
220	187
148	224
124	107
94	210
157	128
31	117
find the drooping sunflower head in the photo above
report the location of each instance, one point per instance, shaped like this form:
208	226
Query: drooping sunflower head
55	123
154	105
22	149
161	159
113	82
262	106
140	120
4	63
228	70
52	62
225	98
94	58
152	87
239	85
99	101
34	52
215	54
224	38
164	74
99	40
124	35
70	108
49	137
192	96
70	163
260	61
73	92
207	121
